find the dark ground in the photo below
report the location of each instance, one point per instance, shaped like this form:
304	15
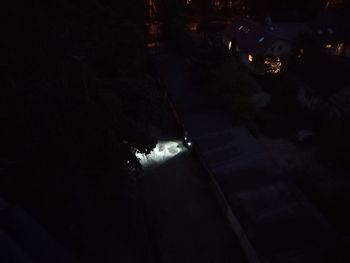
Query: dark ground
185	221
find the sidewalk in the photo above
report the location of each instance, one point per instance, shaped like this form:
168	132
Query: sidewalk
185	221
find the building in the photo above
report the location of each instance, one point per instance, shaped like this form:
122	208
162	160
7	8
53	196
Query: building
263	48
330	33
269	48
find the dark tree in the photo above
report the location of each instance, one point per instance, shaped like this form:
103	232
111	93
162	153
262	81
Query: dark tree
285	9
77	100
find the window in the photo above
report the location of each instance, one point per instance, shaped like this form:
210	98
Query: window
250	58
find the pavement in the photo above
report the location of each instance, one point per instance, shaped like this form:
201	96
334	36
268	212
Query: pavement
184	219
272	218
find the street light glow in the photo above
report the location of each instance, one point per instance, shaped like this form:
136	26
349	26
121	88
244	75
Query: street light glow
164	151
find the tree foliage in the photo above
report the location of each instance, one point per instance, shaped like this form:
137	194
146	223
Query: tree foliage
77	92
231	85
175	20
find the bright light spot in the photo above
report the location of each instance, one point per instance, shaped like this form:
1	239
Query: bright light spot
185	138
261	39
328	46
240	28
274	66
250	58
189	144
161	153
230	45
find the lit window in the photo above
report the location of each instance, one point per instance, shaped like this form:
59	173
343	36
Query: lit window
339	49
250	58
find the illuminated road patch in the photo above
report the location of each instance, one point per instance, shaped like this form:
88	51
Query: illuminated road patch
161	153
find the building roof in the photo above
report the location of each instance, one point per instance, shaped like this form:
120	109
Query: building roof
250	36
291	31
257	38
330	28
